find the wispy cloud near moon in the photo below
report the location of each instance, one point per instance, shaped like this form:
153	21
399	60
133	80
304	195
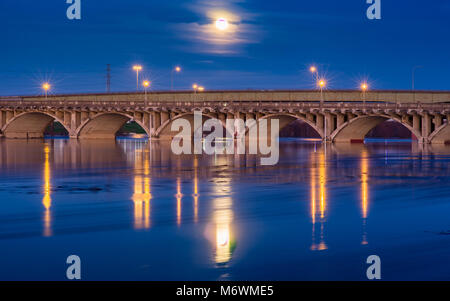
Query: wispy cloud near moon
203	35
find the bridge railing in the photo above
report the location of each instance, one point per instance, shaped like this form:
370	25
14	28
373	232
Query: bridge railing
250	95
255	105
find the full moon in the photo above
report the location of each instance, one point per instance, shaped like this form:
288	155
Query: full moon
222	24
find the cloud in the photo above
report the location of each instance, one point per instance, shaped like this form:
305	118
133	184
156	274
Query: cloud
203	35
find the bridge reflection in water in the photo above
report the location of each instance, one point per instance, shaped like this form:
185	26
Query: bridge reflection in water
208	195
140	154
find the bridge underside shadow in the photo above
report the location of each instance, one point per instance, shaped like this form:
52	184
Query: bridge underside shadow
288	120
441	135
27	126
102	127
357	129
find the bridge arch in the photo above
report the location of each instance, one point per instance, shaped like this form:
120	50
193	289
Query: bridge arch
105	125
287	118
357	128
30	124
165	132
441	135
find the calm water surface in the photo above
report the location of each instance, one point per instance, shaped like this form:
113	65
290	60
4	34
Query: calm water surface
133	211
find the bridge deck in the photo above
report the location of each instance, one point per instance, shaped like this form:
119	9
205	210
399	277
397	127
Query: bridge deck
242	96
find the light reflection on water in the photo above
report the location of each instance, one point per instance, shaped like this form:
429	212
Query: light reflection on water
214	217
47	200
318	205
364	192
142	195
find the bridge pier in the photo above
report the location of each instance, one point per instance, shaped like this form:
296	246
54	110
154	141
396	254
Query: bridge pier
426	128
222	117
437	120
320	119
156	122
329	126
2	119
164	117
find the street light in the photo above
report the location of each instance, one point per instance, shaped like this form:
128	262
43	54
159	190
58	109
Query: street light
201	89
146	84
322	83
364	88
195	87
177	69
137	68
46	87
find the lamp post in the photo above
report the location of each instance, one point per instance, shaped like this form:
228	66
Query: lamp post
322	83
195	87
146	84
46	87
364	88
177	69
137	68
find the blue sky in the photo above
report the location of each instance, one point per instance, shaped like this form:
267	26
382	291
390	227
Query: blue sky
269	44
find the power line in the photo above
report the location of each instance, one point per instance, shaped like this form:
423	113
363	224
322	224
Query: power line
108	78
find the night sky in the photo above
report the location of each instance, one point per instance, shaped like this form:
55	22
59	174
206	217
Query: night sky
268	45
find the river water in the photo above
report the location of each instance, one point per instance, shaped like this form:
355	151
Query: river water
131	210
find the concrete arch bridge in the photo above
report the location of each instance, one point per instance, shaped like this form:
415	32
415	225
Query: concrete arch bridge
337	116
